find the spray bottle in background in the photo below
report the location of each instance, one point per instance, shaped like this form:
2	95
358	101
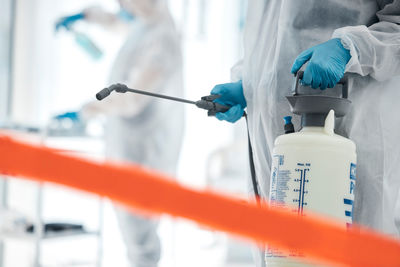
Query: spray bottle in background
81	39
313	169
87	45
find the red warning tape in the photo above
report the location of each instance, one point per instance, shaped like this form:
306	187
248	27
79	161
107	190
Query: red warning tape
318	239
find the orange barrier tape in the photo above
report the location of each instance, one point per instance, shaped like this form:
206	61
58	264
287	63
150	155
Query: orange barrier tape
151	192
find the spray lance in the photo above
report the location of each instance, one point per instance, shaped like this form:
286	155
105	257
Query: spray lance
206	102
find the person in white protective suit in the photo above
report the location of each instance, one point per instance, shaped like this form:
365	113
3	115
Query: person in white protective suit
359	37
142	129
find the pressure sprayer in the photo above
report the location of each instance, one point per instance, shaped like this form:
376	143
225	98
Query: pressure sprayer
313	169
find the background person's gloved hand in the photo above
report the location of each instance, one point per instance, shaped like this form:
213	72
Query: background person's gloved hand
73	116
66	22
326	66
125	15
231	94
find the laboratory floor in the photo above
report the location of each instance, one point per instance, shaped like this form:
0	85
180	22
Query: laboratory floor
183	244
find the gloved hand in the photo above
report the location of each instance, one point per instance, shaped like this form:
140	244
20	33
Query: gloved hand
125	15
327	64
66	22
73	116
231	94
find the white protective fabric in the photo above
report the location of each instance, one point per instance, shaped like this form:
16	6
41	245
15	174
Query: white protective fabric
144	8
142	129
150	10
276	33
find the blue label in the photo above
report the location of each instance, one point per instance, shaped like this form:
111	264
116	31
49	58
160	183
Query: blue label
352	171
351	191
281	162
352	186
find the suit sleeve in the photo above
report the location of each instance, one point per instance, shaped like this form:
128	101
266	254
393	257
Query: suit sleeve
375	50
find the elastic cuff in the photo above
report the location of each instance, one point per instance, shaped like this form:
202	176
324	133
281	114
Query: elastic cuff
342	34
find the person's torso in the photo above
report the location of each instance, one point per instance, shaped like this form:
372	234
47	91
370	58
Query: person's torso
158	127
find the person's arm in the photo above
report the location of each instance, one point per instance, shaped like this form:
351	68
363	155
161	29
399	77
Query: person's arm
107	20
96	15
375	50
153	67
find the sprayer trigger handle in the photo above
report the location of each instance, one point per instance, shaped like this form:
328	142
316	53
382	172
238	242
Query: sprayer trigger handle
343	82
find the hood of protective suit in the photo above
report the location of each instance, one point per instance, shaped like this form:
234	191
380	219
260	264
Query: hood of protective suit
144	8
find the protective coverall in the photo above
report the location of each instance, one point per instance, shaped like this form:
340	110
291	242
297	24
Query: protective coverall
276	32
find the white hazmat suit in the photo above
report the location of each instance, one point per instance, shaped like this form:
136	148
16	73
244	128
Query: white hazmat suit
276	32
142	129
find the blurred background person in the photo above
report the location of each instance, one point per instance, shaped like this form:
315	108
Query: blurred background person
58	75
140	129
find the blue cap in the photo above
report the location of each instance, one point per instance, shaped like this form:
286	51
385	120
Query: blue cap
287	119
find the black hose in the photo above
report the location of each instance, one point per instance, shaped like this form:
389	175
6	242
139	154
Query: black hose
251	163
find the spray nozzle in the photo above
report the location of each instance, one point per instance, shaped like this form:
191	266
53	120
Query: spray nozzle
289	127
287	119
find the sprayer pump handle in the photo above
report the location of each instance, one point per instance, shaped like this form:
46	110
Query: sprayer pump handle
343	82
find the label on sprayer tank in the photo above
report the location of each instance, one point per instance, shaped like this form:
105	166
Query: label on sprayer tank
300	185
284	189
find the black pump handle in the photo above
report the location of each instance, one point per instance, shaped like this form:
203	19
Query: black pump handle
343	82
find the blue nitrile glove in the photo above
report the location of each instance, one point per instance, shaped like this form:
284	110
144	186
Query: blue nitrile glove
231	94
326	66
66	22
125	15
73	116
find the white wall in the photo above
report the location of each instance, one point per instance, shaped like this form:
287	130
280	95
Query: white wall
52	74
6	19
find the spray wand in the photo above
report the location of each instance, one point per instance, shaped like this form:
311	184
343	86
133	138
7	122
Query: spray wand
206	102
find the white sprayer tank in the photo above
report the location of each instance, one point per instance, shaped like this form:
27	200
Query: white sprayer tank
313	169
